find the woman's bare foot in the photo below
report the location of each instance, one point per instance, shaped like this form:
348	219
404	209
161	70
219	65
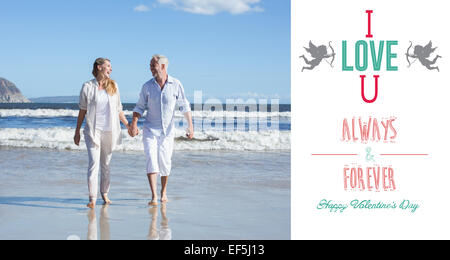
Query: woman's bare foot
91	204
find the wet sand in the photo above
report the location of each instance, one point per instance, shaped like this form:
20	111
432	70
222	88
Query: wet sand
213	195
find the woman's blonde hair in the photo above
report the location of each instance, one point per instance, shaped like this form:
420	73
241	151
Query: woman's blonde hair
111	86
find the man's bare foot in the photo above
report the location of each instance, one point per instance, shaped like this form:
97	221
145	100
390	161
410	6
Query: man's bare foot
164	198
106	200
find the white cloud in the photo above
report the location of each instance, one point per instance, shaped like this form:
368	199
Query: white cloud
211	7
141	8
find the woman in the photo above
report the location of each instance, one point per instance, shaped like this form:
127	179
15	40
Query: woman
100	104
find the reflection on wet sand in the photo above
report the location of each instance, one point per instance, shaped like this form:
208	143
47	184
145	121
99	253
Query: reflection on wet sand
104	224
164	233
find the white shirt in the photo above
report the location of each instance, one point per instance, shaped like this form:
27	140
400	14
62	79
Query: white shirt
88	102
161	104
102	112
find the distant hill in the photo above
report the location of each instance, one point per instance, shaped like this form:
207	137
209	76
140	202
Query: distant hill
59	99
9	93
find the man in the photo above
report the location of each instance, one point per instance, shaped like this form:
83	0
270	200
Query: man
159	97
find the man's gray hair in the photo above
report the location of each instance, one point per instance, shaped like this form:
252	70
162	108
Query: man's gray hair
161	59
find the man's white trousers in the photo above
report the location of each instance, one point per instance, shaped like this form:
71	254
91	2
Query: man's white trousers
158	152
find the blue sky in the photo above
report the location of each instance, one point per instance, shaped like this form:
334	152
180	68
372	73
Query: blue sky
224	48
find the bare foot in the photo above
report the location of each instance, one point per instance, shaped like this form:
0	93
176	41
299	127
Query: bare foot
164	198
106	200
153	203
91	204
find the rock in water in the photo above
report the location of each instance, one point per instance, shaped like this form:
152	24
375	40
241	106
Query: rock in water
9	93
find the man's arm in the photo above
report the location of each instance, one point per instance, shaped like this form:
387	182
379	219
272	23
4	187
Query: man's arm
186	110
190	133
138	111
133	130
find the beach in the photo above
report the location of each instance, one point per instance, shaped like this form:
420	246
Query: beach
214	195
232	181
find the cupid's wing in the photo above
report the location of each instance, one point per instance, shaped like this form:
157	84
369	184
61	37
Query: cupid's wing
428	48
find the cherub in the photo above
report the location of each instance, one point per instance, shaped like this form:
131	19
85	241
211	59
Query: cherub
318	53
422	53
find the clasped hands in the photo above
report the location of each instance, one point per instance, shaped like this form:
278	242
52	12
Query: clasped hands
132	129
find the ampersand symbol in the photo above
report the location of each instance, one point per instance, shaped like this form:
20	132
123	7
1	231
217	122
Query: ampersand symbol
369	157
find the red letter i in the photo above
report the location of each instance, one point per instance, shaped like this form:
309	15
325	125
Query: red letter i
369	35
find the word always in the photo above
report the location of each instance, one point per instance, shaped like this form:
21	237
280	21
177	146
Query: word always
386	132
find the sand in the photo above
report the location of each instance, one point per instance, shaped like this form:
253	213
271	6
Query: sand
214	195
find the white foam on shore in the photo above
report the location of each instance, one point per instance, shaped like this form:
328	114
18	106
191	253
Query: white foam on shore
38	113
62	139
49	113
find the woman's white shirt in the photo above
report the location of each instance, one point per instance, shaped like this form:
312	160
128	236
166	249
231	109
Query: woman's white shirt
102	117
89	97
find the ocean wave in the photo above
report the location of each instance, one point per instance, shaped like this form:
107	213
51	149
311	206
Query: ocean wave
49	113
62	139
38	113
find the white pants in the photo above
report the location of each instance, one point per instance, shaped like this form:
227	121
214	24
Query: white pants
158	152
99	157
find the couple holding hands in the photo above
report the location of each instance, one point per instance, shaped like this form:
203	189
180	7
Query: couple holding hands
100	105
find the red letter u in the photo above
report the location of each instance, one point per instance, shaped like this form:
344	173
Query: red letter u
376	89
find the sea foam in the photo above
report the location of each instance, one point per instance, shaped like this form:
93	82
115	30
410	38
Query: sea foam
61	138
49	113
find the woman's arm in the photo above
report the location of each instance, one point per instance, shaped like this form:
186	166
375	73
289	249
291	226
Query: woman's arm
81	115
123	119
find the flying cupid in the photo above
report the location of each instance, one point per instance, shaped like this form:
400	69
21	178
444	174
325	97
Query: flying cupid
422	53
318	53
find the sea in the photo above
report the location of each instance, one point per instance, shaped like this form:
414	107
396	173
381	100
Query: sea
231	127
232	181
